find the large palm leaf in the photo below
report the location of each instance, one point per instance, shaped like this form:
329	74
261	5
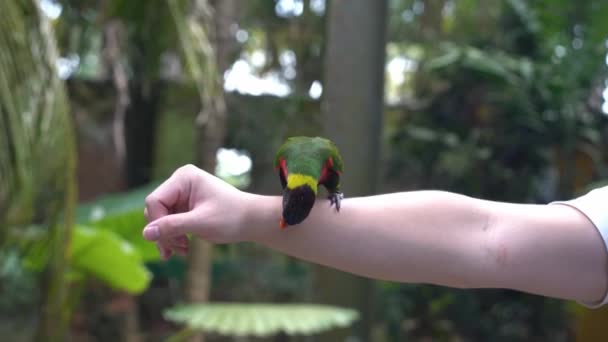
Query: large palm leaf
259	319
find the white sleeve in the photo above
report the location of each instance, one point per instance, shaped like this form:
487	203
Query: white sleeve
594	205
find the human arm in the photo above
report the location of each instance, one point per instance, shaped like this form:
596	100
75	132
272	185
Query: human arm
446	239
417	237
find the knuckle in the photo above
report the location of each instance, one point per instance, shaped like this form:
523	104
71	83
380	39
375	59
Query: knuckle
150	200
187	169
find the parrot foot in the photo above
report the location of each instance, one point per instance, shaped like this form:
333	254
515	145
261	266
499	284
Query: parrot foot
335	198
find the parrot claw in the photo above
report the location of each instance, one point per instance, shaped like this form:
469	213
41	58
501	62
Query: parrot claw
335	198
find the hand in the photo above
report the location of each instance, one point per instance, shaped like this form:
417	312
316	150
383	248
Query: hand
193	201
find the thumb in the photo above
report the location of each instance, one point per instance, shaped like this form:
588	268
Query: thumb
173	225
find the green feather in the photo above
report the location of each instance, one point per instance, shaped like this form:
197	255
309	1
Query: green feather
307	155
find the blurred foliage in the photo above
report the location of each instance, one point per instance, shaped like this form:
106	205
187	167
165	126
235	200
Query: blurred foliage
36	138
18	286
106	251
150	33
418	312
502	104
107	241
260	319
291	39
105	256
250	274
106	246
490	97
121	214
96	253
37	151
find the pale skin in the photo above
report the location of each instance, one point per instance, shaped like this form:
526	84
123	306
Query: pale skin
431	237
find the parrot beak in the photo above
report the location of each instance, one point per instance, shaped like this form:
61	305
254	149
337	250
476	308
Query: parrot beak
297	204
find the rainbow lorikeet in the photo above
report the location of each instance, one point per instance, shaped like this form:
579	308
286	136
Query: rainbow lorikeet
303	164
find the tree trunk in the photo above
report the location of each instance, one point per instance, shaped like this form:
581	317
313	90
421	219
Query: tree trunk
226	47
351	108
140	130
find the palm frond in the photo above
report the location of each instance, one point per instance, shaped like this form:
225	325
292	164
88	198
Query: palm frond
37	151
260	319
36	143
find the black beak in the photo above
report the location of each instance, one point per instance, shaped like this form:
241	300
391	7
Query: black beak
297	204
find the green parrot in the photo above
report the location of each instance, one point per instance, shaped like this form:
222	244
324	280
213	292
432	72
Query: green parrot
304	163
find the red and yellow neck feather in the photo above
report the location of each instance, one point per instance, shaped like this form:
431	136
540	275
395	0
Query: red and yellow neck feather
295	179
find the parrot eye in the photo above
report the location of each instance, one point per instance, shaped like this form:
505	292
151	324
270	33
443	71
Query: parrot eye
297	204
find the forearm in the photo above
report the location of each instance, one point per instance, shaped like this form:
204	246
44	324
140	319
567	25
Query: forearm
445	239
401	237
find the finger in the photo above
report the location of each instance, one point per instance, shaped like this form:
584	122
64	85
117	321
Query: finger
171	226
167	247
165	197
174	243
164	251
173	246
180	241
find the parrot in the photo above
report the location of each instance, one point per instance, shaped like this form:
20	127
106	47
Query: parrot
304	163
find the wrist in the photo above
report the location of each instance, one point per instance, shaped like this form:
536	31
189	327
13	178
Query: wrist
260	215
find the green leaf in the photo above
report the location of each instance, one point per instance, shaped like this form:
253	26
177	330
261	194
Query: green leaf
122	214
483	62
526	14
129	226
422	133
109	258
260	319
450	58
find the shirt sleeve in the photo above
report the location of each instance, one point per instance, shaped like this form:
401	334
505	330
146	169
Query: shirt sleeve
594	206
